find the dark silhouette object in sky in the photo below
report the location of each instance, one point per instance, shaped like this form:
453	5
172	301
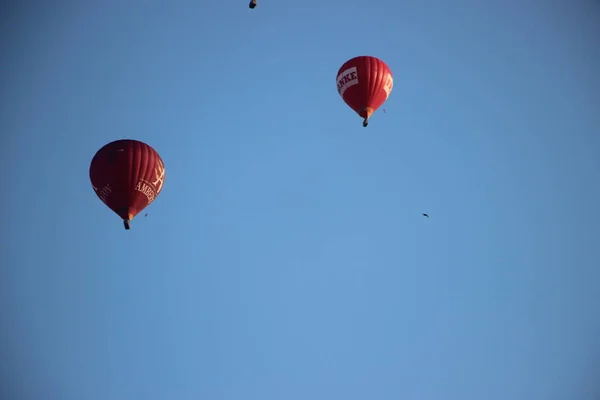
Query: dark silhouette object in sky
252	3
426	215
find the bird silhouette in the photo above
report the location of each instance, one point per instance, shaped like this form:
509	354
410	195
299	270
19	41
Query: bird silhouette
426	215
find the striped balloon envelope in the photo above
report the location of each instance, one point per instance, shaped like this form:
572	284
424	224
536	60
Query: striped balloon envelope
364	83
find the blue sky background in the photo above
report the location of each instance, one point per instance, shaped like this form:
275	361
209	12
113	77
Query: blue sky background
287	257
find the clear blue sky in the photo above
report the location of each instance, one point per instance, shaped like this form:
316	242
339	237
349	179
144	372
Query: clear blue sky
287	258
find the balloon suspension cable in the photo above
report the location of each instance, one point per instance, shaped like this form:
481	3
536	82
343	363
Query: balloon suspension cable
366	122
126	224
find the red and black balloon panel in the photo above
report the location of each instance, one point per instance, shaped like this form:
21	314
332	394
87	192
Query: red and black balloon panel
127	175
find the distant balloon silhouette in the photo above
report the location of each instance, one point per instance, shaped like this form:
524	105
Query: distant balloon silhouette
127	175
365	83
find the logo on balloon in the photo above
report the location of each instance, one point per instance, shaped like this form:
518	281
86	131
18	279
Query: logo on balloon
159	173
103	193
151	190
146	189
347	79
388	85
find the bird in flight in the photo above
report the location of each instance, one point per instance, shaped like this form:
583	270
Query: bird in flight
425	215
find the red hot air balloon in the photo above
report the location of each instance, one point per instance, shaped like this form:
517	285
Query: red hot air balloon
365	83
127	175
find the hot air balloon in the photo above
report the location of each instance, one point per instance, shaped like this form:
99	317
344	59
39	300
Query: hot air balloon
127	175
364	83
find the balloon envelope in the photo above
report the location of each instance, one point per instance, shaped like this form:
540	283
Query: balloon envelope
127	175
365	83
